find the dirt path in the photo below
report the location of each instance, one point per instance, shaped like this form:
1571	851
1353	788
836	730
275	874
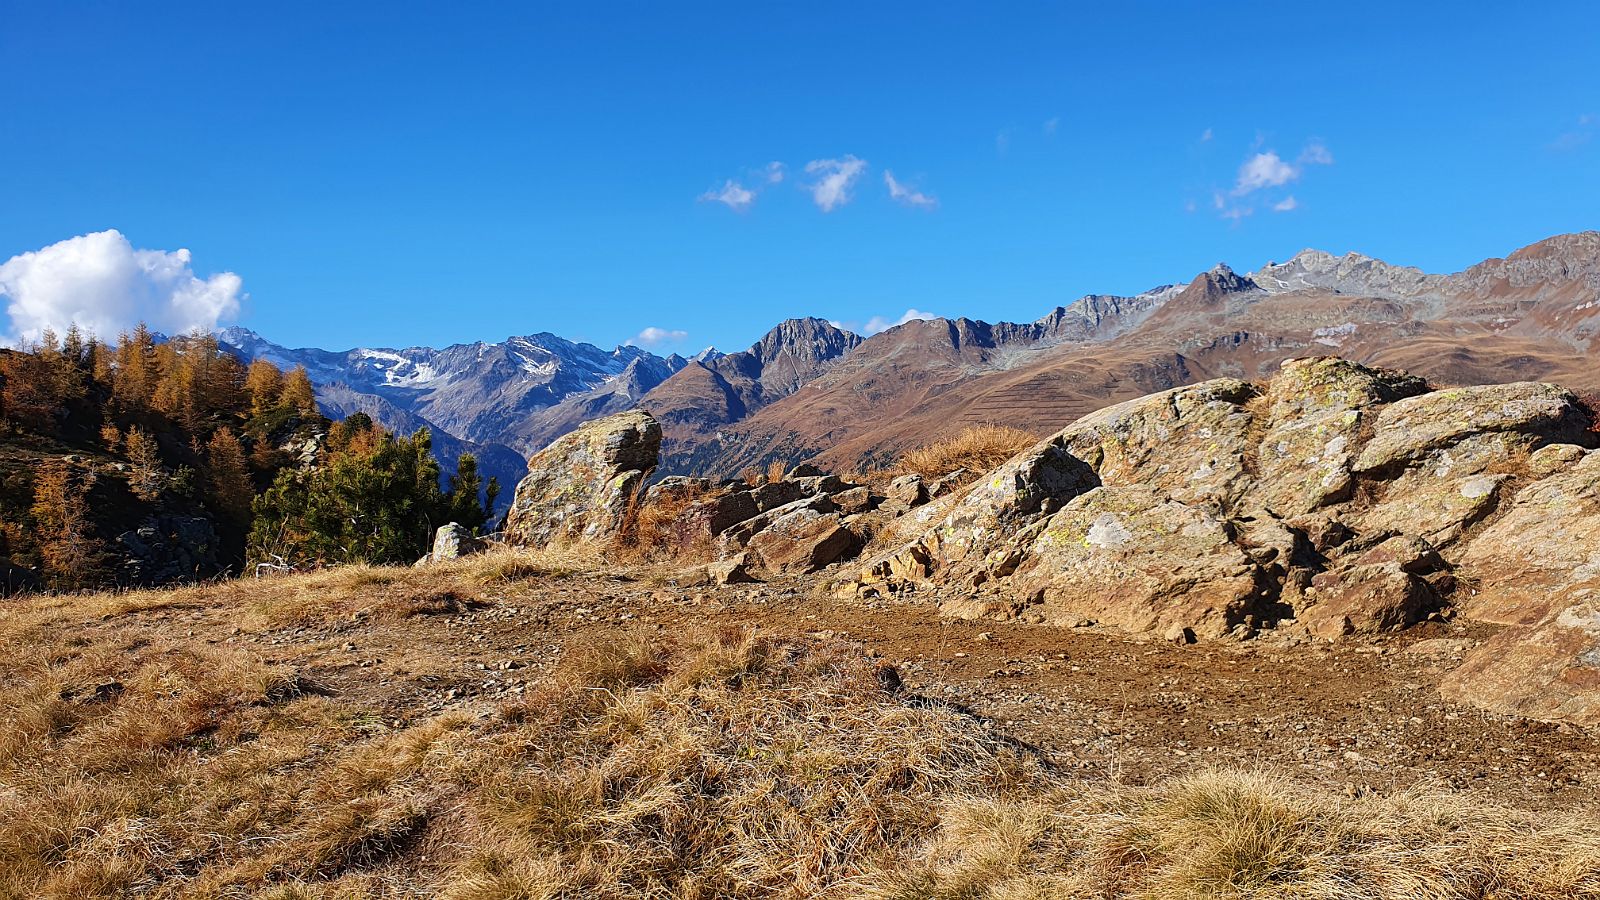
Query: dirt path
1358	716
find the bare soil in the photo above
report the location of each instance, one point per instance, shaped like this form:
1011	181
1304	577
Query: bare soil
1358	717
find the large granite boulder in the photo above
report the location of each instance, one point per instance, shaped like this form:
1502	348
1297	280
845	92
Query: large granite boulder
581	487
1317	410
1137	558
1190	441
1528	562
1338	501
1495	419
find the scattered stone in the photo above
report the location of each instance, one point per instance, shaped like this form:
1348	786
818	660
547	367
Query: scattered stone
804	540
452	541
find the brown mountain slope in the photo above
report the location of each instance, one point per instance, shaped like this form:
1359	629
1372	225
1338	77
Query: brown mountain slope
1531	315
709	394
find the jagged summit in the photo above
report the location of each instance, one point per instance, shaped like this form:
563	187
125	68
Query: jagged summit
1352	273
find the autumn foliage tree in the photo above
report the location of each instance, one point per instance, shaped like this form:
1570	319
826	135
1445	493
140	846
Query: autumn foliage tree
228	476
180	427
71	553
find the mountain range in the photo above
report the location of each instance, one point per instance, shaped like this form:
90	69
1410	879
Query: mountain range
812	390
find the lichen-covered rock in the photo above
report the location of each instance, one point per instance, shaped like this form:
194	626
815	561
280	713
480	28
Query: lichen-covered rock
1190	441
580	487
713	515
1366	599
1337	500
1134	557
974	536
738	536
1317	410
1524	413
1435	509
908	491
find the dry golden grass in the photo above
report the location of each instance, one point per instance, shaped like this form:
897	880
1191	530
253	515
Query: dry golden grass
977	449
136	761
657	531
1591	404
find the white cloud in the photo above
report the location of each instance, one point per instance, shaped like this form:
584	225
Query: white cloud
1205	136
733	194
906	194
775	172
1002	141
1315	154
1263	170
877	324
835	178
101	283
655	337
1572	140
1051	124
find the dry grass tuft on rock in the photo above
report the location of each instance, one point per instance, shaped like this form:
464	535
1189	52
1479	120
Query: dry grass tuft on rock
656	531
976	449
1591	404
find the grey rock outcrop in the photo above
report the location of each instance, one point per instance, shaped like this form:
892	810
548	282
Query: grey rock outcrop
1333	502
581	486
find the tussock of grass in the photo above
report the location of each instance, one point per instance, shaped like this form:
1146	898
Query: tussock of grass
976	449
658	531
1245	835
720	764
1590	401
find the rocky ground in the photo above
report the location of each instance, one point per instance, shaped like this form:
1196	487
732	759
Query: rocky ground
1353	717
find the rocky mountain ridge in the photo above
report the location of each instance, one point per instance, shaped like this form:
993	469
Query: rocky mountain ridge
808	389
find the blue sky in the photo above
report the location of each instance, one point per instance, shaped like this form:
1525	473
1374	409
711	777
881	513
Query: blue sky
404	174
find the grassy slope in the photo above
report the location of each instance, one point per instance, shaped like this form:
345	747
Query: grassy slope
136	759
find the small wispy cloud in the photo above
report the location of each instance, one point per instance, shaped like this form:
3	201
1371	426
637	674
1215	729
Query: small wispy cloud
1267	169
1205	136
1316	154
1263	173
1263	170
1578	136
776	172
879	324
655	337
1051	124
835	177
1002	141
902	193
732	194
